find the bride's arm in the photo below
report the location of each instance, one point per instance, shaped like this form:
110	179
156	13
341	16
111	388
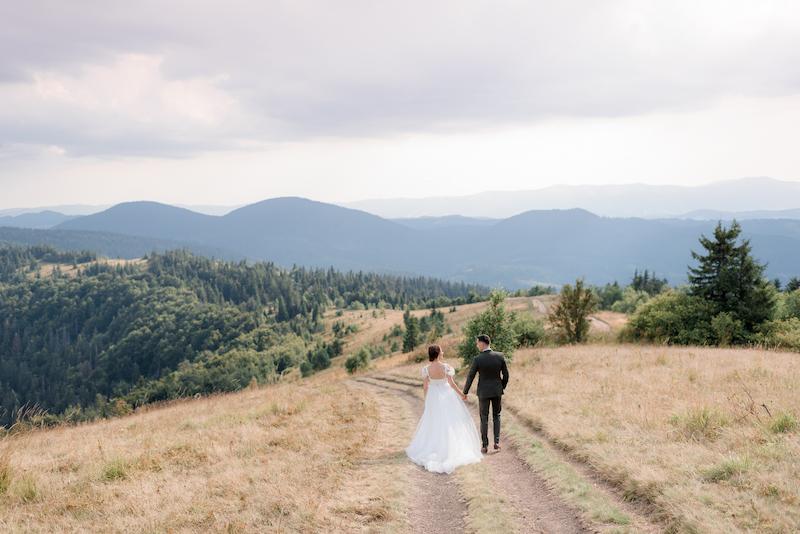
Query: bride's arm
425	385
455	387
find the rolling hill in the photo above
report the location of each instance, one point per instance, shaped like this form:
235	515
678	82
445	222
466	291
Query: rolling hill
539	246
42	219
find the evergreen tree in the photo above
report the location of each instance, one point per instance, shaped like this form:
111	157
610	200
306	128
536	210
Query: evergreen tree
411	337
730	279
497	323
571	314
792	285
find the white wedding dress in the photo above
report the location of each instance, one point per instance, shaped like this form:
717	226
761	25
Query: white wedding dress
446	436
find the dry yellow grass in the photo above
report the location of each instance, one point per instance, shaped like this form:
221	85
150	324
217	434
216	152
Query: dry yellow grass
684	429
68	269
263	460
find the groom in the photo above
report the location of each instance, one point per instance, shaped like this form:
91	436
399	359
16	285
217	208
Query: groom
491	366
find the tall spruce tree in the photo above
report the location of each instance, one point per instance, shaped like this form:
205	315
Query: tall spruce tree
728	277
411	338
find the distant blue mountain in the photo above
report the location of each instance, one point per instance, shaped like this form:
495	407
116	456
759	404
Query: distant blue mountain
42	219
539	246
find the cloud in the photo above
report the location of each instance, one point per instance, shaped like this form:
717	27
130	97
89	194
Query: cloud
162	79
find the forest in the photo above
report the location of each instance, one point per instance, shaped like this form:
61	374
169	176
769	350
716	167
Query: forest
109	338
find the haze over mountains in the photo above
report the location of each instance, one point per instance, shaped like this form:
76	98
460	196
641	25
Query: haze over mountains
538	246
628	200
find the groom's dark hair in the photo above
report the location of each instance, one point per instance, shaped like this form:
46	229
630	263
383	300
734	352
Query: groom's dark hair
433	352
483	338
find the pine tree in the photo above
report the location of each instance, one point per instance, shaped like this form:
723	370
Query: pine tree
730	279
792	285
411	337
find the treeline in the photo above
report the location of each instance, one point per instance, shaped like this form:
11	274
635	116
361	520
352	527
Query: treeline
16	261
110	338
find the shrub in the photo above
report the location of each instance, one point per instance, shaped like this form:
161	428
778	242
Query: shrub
495	322
789	305
782	334
608	295
630	301
528	331
672	317
727	329
357	361
571	314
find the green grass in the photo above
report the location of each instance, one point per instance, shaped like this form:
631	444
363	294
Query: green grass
25	488
727	470
568	483
783	423
5	473
703	424
115	470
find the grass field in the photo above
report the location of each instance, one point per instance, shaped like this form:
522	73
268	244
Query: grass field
706	437
261	459
700	439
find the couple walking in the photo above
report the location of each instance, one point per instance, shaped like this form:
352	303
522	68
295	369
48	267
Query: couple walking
446	437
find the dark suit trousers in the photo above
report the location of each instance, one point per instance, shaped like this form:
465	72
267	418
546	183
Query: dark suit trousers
497	405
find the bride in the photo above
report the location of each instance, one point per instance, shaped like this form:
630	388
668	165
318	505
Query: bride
446	437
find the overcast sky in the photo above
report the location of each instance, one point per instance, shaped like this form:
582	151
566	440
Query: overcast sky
233	102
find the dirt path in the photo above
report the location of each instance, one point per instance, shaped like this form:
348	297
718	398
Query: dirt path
536	508
434	502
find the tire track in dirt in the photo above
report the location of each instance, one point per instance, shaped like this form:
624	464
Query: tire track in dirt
538	509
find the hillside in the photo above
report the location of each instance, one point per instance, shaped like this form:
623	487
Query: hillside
82	338
106	244
598	438
540	246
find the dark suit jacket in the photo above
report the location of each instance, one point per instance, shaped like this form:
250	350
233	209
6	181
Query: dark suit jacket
493	374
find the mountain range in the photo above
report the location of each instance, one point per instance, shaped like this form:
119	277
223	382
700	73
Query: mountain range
627	200
537	246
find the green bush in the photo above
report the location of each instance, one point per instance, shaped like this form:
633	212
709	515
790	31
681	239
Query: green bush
495	322
781	334
357	361
728	330
672	317
789	305
529	331
608	295
630	301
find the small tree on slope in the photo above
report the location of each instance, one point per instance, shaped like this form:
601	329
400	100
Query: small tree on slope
571	313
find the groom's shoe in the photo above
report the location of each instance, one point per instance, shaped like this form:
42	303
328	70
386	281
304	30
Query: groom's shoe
497	447
484	450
